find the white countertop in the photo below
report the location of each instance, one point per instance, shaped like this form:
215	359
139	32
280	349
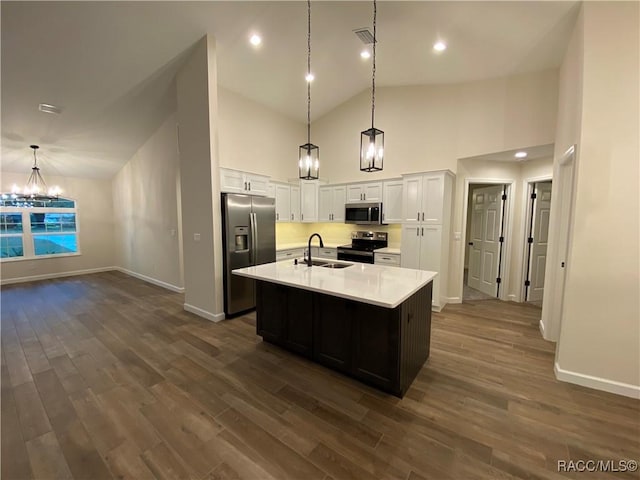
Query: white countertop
379	285
395	251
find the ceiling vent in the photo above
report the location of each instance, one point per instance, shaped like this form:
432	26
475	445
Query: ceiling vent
47	108
365	35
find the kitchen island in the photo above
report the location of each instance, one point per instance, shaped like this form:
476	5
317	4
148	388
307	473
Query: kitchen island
371	322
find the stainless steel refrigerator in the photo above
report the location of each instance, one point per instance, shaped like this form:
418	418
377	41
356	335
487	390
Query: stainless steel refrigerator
248	238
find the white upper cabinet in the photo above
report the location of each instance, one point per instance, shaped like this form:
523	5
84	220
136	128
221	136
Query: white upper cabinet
432	199
309	201
235	181
331	203
295	203
364	192
412	199
392	201
283	203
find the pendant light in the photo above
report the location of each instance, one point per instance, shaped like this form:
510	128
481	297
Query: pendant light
36	187
372	139
309	154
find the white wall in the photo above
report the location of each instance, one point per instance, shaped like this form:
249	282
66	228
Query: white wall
600	330
199	179
431	127
147	224
256	139
95	224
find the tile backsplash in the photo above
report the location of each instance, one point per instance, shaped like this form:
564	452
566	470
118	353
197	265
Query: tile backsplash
333	233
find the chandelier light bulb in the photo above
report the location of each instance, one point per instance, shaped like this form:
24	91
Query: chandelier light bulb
255	40
309	77
440	46
365	54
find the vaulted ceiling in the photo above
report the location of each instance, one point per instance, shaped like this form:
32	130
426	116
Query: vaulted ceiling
110	65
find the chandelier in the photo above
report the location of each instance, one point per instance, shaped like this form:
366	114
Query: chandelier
35	188
308	154
372	139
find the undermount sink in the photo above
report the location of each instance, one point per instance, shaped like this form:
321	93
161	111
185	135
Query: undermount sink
337	265
322	263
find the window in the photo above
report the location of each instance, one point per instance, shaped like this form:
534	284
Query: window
37	229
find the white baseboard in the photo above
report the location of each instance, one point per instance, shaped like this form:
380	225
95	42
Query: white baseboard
155	281
48	276
453	299
542	329
597	383
214	317
512	298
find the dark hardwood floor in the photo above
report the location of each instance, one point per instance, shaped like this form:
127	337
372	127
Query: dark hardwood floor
105	376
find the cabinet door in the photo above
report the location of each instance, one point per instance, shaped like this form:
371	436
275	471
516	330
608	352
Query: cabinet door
332	332
309	201
257	184
392	201
339	199
271	307
231	181
432	199
283	203
430	255
299	321
410	257
325	204
295	204
376	345
355	194
372	192
411	199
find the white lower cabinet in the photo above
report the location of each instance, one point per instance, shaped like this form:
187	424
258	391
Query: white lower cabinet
324	252
289	254
422	250
391	259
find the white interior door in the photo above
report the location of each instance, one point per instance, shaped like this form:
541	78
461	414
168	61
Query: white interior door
538	258
484	253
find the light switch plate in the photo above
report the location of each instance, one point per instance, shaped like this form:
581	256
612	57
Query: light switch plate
196	237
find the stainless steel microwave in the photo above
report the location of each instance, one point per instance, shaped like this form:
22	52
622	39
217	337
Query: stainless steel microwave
363	213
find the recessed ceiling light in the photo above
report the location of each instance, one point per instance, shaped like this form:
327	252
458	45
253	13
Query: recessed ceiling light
309	77
365	54
48	108
440	46
521	154
255	40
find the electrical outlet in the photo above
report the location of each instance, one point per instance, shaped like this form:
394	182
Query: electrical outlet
196	237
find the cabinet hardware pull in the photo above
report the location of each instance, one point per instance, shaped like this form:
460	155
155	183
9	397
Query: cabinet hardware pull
292	216
250	189
302	216
277	216
417	232
422	212
423	231
245	185
418	217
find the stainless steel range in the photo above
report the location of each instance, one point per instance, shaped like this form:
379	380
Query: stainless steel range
362	246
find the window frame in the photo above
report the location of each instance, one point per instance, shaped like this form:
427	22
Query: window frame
28	247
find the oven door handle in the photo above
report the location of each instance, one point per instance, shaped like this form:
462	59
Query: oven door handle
355	252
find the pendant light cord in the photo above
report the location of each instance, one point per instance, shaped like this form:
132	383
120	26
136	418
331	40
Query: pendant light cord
308	71
373	73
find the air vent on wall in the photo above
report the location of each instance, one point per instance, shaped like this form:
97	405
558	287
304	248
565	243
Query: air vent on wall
47	108
365	35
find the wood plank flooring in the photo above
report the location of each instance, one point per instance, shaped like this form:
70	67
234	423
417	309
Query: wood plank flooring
105	376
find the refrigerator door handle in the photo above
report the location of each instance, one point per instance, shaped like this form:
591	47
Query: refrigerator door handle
255	237
254	244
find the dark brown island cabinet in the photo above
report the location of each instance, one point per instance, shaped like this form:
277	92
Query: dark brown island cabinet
382	347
